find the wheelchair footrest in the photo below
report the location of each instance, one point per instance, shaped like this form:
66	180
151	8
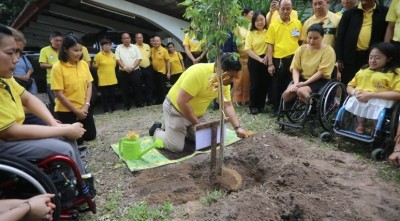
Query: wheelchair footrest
293	125
354	135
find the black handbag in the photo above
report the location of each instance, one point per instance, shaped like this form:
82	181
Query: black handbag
26	84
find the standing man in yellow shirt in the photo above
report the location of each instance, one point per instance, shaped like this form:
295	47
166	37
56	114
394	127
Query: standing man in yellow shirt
329	19
49	56
162	69
283	38
146	69
360	28
128	58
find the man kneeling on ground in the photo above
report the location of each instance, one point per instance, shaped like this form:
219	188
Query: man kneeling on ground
189	98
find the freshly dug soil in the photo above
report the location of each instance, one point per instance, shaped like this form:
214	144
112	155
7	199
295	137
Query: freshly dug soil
283	178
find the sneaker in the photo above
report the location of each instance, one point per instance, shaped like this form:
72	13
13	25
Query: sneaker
154	127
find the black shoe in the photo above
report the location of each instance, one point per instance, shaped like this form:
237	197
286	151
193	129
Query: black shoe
127	108
253	111
261	110
154	127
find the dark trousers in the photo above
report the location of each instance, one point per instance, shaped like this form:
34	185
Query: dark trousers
350	70
108	97
174	78
260	83
397	45
128	80
281	79
189	62
88	124
147	85
160	82
51	96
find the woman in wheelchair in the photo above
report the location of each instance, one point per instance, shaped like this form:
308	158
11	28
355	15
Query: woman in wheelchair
31	142
38	207
375	86
311	67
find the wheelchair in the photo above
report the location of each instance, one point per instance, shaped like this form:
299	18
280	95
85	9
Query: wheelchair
320	107
21	179
380	136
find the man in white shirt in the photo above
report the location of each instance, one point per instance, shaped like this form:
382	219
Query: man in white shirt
128	58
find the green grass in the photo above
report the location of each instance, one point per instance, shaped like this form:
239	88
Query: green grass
112	203
212	197
143	212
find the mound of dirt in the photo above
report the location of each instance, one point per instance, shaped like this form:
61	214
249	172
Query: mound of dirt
283	178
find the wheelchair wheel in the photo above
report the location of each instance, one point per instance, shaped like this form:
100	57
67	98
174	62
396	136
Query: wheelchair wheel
332	98
296	111
20	179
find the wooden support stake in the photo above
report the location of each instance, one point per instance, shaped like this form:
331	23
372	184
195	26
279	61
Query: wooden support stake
213	171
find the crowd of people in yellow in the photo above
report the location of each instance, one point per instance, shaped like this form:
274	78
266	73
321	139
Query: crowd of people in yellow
275	49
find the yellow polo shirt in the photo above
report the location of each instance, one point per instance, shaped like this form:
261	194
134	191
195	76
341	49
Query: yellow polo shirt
364	37
175	61
11	111
393	15
275	15
375	81
145	51
331	22
106	64
50	56
195	81
159	58
284	36
86	56
73	81
309	62
194	44
255	41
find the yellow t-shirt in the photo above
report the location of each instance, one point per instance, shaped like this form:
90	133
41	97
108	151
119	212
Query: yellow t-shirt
73	81
175	61
364	37
284	36
331	22
11	111
159	58
145	50
86	56
309	62
106	64
275	15
48	55
375	81
393	15
255	41
194	44
195	81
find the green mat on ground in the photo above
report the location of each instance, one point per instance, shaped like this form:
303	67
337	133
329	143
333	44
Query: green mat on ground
155	159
